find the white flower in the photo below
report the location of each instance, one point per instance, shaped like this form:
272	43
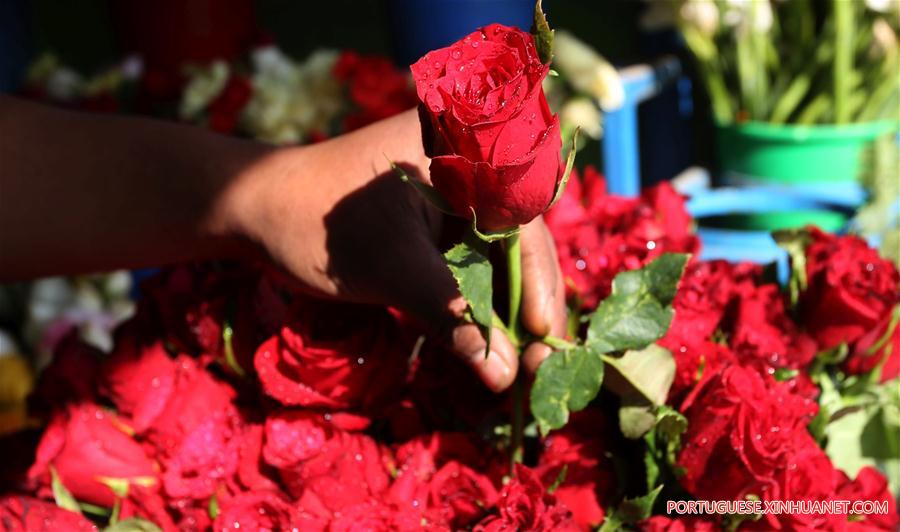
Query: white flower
205	84
582	112
64	84
291	100
587	71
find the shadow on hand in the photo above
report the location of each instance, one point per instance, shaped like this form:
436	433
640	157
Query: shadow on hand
382	247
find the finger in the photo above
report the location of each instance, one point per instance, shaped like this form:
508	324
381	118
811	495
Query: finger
540	279
498	369
554	311
536	352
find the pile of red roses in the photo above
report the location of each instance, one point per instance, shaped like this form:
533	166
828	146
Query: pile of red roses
230	402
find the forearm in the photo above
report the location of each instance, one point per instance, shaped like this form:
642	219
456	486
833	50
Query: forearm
81	192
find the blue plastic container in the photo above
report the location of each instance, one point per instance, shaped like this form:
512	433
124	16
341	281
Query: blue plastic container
419	26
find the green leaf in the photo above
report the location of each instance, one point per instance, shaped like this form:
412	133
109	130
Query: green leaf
468	262
61	495
638	312
644	375
430	193
133	524
795	241
663	274
630	511
880	438
543	35
570	163
566	381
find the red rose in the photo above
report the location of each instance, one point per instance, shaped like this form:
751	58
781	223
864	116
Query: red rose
661	523
225	110
705	292
870	485
206	456
89	447
323	466
188	306
260	510
878	346
19	513
525	505
460	494
598	235
744	430
589	480
253	472
851	289
764	336
336	356
375	515
375	86
486	124
138	379
441	477
197	397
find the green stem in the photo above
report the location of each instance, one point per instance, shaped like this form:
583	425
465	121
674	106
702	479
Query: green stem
514	268
514	274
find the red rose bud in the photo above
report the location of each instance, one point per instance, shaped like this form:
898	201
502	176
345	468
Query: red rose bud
486	124
91	451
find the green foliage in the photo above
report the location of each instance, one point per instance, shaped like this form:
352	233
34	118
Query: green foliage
543	35
468	262
639	310
570	163
630	511
662	445
566	381
635	315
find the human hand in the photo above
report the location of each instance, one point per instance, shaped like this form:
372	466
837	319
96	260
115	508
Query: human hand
336	217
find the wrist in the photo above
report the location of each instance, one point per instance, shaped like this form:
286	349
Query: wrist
232	223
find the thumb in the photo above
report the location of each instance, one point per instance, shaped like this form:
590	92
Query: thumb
429	292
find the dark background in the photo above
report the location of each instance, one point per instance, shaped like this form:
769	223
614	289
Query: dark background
81	34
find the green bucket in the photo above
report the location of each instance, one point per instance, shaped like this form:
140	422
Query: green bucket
759	153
